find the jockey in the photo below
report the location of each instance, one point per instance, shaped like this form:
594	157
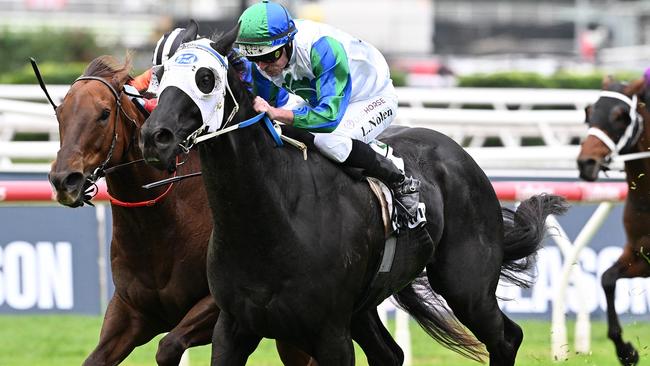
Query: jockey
348	95
168	44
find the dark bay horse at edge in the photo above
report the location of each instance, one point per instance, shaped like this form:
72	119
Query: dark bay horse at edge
619	127
298	242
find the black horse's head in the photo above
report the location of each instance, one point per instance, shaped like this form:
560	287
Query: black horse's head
192	99
614	126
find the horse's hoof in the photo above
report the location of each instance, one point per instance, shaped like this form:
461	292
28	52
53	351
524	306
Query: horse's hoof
628	355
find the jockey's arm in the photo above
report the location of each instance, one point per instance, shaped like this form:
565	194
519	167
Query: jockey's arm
333	86
141	82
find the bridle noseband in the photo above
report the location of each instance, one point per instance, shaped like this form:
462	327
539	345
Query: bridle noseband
630	136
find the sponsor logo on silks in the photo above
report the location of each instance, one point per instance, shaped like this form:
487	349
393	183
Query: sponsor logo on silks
374	122
186	59
374	104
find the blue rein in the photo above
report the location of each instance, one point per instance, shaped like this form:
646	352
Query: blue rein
249	122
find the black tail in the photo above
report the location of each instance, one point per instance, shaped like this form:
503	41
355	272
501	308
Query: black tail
419	300
524	230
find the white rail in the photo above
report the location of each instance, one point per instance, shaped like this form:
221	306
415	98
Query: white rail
498	98
506	114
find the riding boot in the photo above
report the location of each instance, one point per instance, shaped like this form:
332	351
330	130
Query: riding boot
405	189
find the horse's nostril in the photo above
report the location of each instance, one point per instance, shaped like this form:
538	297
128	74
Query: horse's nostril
163	137
585	163
73	181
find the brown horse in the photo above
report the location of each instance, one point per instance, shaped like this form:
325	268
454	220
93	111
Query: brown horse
160	237
619	127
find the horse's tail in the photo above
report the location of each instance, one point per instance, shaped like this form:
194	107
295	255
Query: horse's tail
524	230
419	300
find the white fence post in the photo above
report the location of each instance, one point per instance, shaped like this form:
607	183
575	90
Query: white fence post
559	341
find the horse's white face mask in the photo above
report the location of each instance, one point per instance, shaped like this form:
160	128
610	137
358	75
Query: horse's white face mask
180	71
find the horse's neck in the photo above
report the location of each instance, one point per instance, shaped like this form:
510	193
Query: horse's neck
245	167
637	172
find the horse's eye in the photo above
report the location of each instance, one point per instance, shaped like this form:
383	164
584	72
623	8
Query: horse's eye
104	115
204	79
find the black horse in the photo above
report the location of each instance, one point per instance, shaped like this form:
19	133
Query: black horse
297	243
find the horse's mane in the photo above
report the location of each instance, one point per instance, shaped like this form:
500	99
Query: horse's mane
107	66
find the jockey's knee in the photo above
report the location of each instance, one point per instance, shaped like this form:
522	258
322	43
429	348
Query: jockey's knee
334	147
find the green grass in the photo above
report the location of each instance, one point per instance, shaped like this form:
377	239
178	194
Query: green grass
66	340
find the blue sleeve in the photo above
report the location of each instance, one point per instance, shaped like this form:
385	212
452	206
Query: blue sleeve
333	87
255	82
266	89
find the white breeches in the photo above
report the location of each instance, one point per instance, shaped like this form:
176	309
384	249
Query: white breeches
364	121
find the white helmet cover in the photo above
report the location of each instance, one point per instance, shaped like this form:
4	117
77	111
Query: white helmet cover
180	71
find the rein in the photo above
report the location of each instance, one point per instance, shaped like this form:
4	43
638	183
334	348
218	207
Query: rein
90	186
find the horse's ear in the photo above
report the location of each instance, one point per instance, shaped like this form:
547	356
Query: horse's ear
588	110
191	31
607	81
224	44
636	87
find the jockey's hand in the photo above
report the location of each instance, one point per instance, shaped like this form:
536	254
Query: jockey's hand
278	114
260	105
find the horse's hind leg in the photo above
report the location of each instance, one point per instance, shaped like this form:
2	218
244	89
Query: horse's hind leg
627	266
375	340
468	287
194	329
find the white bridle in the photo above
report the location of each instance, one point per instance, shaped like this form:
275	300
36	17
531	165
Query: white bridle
180	71
628	137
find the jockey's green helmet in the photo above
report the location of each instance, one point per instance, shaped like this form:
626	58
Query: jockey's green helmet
263	28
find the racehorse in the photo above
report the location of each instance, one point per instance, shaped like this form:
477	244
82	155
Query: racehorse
619	127
160	237
299	242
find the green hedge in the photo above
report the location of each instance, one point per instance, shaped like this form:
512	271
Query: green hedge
560	80
53	73
62	55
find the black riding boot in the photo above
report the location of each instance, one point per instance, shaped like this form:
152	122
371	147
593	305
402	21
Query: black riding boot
406	189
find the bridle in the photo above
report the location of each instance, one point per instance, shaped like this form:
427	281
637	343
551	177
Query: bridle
90	184
101	169
630	136
213	123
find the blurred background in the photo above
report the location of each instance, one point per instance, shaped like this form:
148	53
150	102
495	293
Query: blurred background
428	42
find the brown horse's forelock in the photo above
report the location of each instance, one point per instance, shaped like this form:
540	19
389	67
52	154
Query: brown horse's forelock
109	67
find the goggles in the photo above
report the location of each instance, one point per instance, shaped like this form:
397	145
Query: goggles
268	58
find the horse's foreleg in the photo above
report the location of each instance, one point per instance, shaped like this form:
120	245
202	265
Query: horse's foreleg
375	340
123	329
231	346
194	329
334	347
627	266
